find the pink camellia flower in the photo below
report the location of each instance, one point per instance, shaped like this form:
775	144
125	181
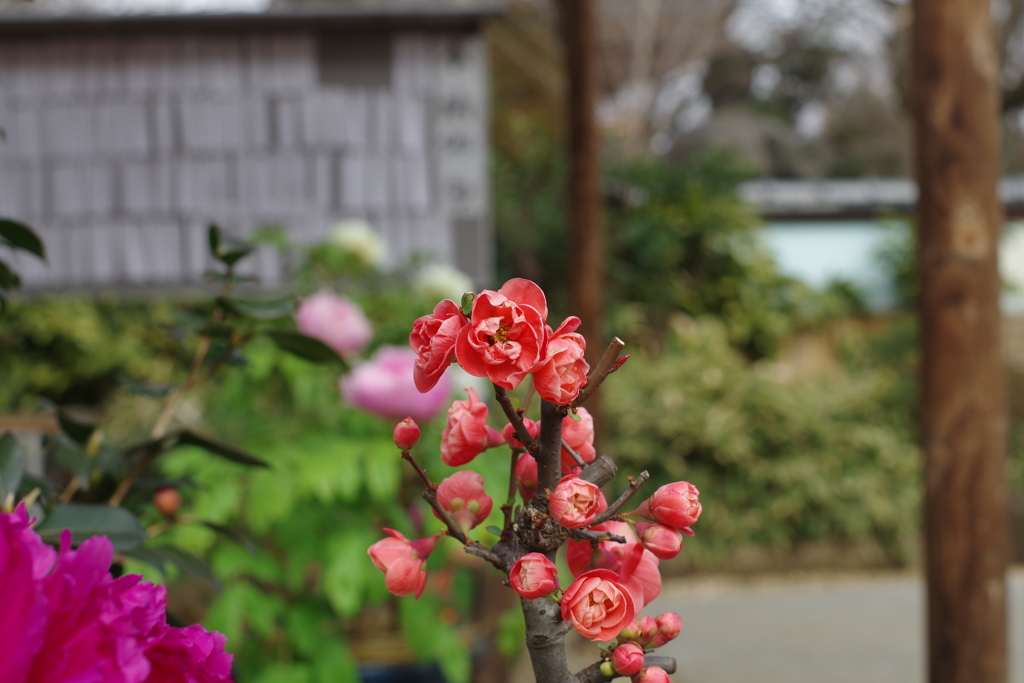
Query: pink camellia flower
598	605
65	618
575	502
433	339
636	566
406	434
466	434
403	562
463	495
628	659
533	576
651	674
580	437
526	476
336	321
509	432
669	626
506	333
383	385
562	372
674	504
664	541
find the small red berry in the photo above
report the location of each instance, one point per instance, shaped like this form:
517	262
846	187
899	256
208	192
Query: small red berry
167	501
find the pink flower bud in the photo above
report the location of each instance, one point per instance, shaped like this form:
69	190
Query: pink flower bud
509	433
406	434
403	562
648	629
533	576
651	674
628	659
619	362
463	495
662	540
575	502
526	476
673	504
669	625
494	438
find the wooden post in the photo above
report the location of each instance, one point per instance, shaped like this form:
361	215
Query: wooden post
964	422
586	205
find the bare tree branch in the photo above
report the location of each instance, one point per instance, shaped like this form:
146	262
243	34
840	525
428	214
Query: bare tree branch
604	368
634	485
515	419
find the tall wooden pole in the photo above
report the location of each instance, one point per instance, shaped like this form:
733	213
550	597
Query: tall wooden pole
586	207
964	423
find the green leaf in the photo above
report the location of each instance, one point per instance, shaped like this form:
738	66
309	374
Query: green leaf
494	530
305	347
86	521
12	466
346	571
218	330
150	389
383	471
511	633
20	236
467	303
226	248
224	450
160	557
335	663
271	309
79	432
69	455
8	278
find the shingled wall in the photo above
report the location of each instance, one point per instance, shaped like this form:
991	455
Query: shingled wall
121	149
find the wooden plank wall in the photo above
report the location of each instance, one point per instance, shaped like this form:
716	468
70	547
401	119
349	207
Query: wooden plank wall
121	149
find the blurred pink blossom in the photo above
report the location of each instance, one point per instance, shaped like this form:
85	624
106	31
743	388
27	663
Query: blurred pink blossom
65	618
336	321
384	386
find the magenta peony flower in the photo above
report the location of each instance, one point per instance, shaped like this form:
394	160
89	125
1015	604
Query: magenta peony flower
336	321
63	617
384	385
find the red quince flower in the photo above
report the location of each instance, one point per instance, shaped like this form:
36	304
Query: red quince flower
506	333
403	562
562	372
463	495
433	339
580	437
598	605
533	576
466	434
636	566
575	502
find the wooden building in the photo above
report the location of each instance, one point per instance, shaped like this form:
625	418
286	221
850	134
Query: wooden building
126	135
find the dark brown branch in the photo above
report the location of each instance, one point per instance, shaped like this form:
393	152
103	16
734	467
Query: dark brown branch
595	536
419	470
592	674
430	495
604	368
549	454
474	548
545	640
575	456
506	529
634	485
515	419
600	472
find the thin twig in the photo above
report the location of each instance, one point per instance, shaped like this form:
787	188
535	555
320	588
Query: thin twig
480	551
575	456
592	674
72	488
530	391
419	470
634	485
515	419
430	495
506	529
604	368
595	536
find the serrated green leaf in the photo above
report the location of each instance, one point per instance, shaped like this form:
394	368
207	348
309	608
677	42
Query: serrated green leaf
86	521
269	309
69	455
335	664
12	466
271	496
305	347
304	623
20	236
494	530
383	471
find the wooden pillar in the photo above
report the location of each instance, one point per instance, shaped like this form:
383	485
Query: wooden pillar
586	205
964	422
